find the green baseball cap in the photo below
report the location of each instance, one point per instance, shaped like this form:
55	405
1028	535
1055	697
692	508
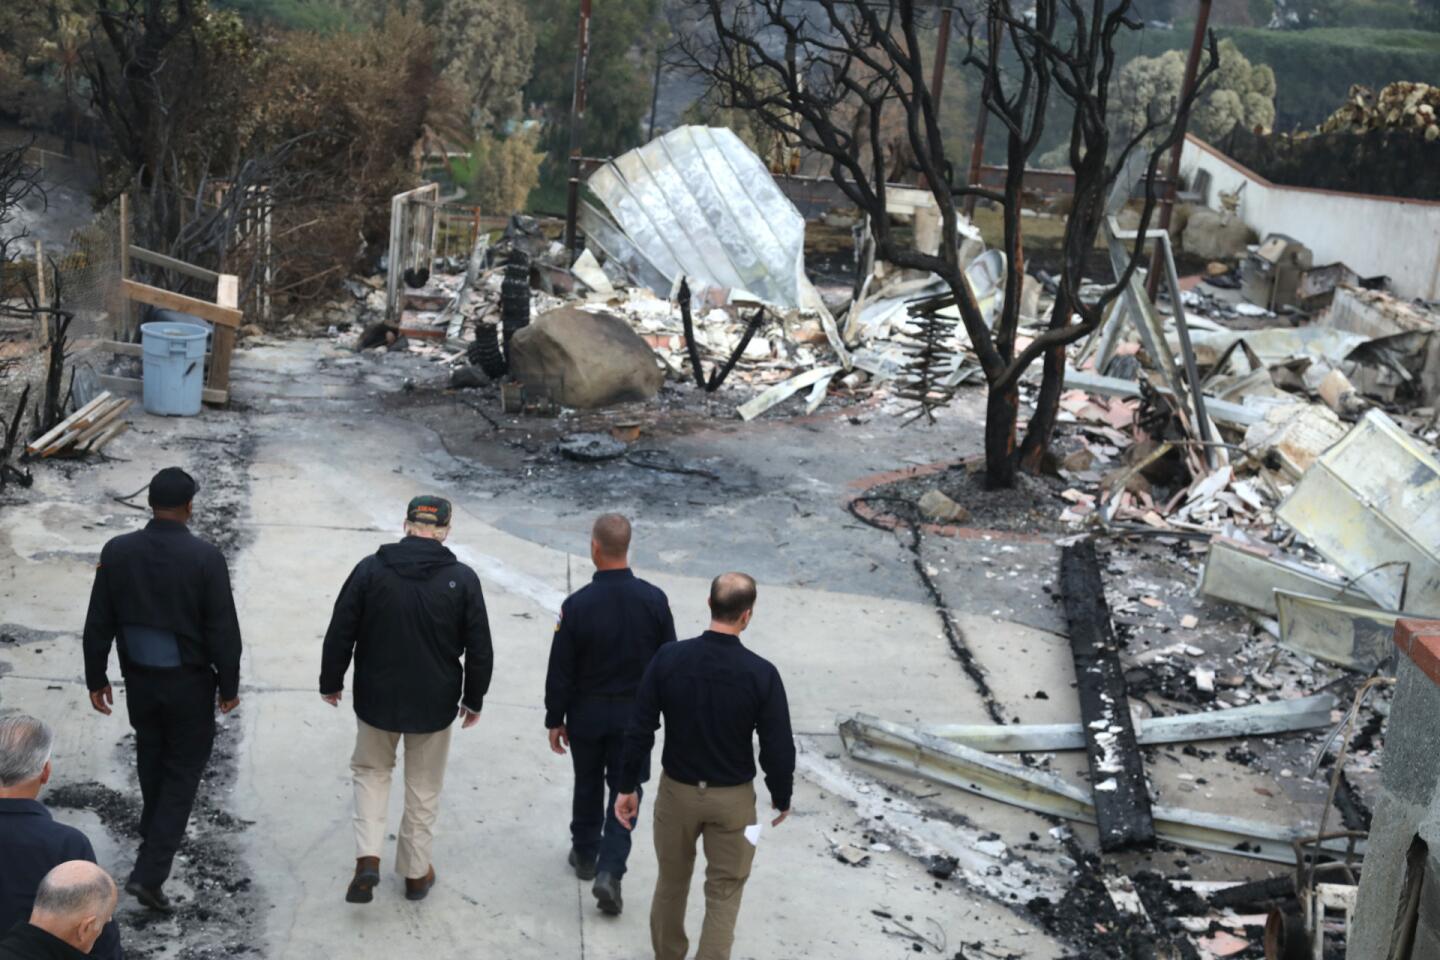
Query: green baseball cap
432	510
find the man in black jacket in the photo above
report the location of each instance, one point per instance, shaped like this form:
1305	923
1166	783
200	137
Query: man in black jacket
163	595
31	842
715	696
408	614
76	900
607	633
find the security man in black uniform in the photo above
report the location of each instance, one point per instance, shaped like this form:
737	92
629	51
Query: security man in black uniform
607	633
163	595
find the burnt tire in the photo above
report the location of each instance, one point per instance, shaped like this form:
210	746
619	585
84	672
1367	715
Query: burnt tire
515	297
485	352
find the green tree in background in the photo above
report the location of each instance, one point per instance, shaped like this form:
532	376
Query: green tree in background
487	48
40	81
622	57
499	173
1239	94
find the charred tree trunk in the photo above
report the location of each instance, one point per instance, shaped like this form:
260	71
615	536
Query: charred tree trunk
1041	428
846	62
1002	409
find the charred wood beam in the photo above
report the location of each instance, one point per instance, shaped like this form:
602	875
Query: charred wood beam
688	326
692	349
718	375
1117	772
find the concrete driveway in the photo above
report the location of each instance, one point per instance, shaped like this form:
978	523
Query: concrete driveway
308	475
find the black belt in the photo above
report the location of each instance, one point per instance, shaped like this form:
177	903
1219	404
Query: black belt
704	783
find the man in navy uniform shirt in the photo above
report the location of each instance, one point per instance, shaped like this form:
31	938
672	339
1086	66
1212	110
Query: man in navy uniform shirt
163	596
31	842
607	633
715	696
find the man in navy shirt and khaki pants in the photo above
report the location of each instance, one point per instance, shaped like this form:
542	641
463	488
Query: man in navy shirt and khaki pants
714	695
607	633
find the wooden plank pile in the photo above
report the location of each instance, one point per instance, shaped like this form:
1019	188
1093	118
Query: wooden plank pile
87	430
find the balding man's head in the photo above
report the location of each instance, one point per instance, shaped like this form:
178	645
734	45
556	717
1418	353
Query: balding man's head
74	902
25	745
610	540
732	597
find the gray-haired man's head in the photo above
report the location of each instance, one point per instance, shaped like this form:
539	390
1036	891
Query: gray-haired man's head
75	901
25	745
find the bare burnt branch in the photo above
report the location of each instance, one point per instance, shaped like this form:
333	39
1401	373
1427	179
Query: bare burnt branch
718	375
831	75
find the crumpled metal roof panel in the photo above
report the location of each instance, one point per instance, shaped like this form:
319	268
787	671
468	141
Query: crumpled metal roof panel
698	203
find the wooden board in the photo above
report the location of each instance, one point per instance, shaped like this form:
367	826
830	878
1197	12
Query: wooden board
170	263
103	421
227	317
102	413
115	430
43	441
135	384
227	295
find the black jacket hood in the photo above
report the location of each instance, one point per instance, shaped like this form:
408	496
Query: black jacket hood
415	558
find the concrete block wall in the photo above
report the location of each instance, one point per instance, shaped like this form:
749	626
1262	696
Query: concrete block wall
1401	874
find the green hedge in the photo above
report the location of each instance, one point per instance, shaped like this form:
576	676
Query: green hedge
1315	68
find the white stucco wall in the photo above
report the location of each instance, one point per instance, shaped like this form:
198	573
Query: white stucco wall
1374	235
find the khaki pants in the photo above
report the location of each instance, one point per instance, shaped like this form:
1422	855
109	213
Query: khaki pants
372	764
684	814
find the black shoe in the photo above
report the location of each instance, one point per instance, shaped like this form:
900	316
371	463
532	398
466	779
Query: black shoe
152	898
607	894
584	866
367	878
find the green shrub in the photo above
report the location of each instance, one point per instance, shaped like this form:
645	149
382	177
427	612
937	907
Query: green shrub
1314	69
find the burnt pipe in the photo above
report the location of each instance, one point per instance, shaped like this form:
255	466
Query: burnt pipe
953	633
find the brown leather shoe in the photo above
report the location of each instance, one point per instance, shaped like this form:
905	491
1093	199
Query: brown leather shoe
367	877
419	889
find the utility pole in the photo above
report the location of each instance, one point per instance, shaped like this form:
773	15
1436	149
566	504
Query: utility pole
1172	176
942	51
654	97
577	121
977	155
977	145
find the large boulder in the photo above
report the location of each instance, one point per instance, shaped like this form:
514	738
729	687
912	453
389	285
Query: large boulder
585	359
1216	236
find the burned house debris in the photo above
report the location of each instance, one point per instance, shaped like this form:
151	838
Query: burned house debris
1157	681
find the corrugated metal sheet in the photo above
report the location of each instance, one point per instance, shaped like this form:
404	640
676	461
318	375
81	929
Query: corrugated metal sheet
698	203
1371	506
1243	575
1353	637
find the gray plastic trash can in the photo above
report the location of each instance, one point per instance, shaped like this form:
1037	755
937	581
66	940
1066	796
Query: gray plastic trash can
174	367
